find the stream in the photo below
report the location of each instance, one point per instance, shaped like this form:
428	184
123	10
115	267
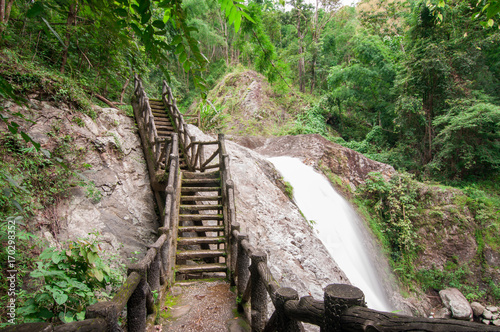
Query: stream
337	225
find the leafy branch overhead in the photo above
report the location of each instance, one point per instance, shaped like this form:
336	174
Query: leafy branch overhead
161	26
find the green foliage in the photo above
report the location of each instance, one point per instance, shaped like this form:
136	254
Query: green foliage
452	275
469	142
29	181
71	279
288	189
395	201
212	119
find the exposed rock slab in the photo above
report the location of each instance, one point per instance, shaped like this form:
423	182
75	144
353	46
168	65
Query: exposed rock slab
114	197
454	300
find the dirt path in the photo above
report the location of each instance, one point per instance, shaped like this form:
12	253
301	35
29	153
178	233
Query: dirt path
200	307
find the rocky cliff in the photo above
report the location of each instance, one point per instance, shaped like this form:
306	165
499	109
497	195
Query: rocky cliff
110	193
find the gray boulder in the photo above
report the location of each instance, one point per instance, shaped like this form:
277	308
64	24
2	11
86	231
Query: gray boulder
454	300
477	308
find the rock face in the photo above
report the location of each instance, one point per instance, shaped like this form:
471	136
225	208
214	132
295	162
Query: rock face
352	167
454	300
115	198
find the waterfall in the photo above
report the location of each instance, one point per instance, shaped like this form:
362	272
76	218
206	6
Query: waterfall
337	226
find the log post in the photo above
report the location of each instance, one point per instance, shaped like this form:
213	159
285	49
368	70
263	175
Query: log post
285	323
107	311
235	229
136	305
164	256
154	271
338	298
242	265
258	293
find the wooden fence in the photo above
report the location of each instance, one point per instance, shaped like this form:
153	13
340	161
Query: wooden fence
341	309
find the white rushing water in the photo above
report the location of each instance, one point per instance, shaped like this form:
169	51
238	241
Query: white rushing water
337	225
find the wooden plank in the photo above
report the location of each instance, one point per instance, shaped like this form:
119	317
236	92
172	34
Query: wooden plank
191	254
201	268
199	240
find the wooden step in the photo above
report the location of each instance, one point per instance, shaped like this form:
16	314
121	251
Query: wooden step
163	127
163	122
163	132
155	100
198	189
199	198
198	175
199	217
192	254
202	207
160	115
201	268
215	181
187	241
201	228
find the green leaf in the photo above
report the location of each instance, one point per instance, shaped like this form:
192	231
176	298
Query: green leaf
232	15
92	257
121	12
159	24
177	39
80	316
166	15
66	317
179	49
54	32
237	23
186	66
247	17
146	17
60	298
441	4
97	274
182	57
56	257
35	10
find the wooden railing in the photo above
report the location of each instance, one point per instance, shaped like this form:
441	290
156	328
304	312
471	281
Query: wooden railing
152	138
157	267
341	309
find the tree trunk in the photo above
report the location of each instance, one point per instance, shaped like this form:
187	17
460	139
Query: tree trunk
313	72
7	11
2	12
301	58
123	90
71	21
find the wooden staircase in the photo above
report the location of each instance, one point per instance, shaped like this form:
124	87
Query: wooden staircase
164	127
200	244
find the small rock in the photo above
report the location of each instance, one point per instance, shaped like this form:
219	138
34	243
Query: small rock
496	322
492	309
176	291
477	308
487	314
454	300
443	313
486	321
